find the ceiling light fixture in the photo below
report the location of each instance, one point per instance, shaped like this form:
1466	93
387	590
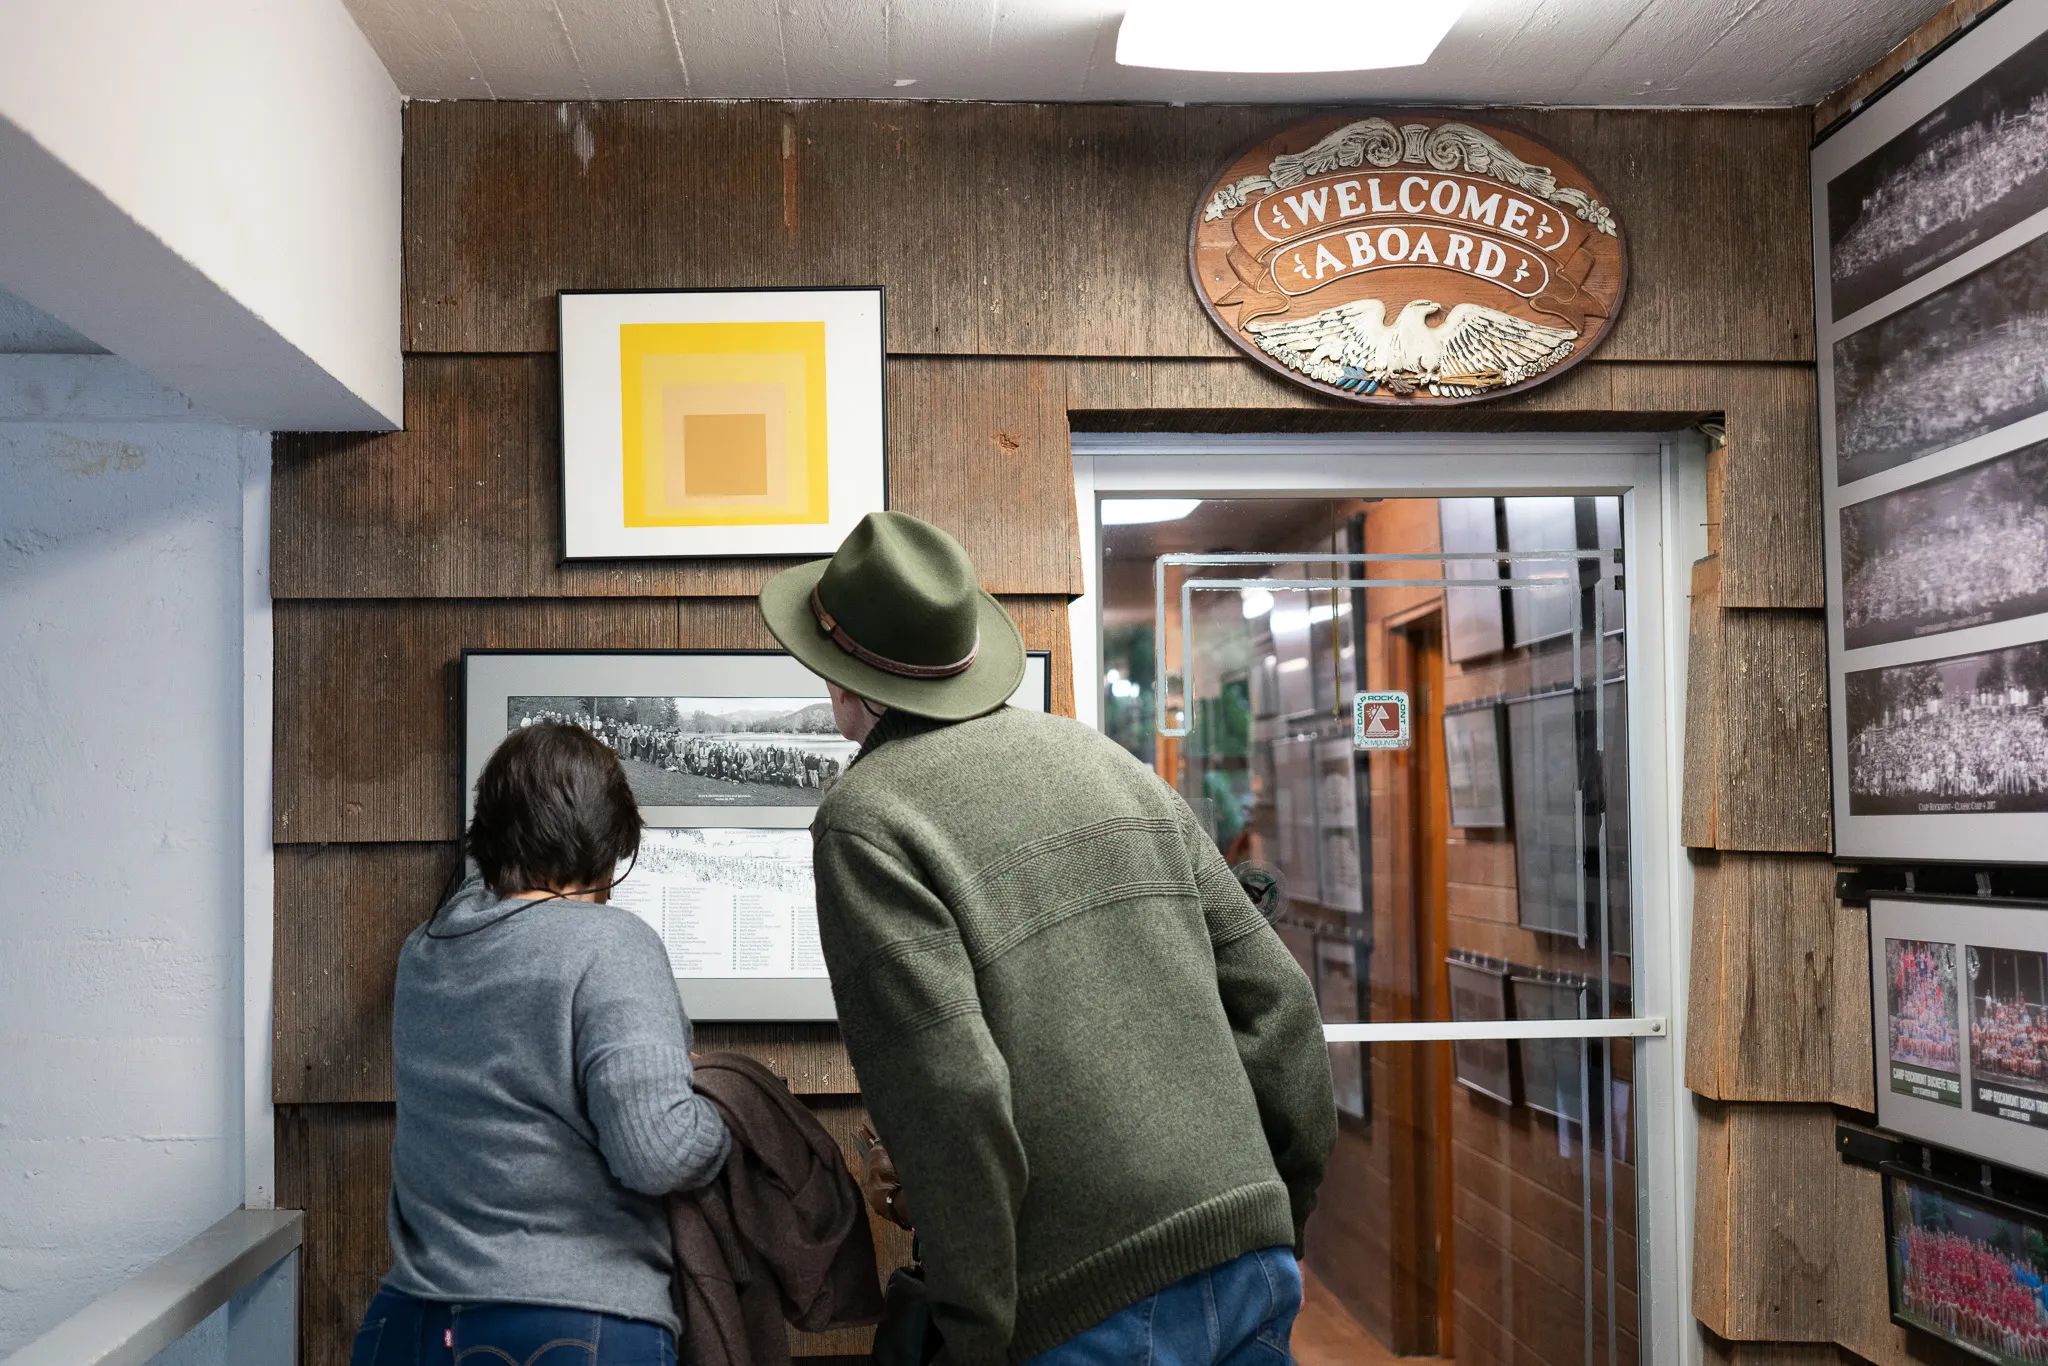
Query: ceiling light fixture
1137	511
1283	35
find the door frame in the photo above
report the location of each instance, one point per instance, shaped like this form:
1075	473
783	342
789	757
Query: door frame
1413	650
1661	478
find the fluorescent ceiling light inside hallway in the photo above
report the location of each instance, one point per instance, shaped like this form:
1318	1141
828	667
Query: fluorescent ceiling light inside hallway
1135	511
1283	35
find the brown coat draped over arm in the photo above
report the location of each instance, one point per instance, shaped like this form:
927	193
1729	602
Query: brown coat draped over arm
780	1238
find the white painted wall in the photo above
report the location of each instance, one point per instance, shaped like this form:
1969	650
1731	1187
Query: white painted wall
210	188
122	1086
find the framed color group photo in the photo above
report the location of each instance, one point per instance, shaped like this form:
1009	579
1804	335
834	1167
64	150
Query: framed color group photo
1966	1266
1959	993
728	422
1930	226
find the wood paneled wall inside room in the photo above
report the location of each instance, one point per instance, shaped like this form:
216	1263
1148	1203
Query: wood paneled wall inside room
1788	1238
1790	1245
1050	230
1035	263
1788	1253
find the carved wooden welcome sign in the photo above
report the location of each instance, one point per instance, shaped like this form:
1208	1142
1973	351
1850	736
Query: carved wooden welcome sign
1408	259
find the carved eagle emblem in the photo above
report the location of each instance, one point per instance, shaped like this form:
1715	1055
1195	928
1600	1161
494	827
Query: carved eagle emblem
1475	348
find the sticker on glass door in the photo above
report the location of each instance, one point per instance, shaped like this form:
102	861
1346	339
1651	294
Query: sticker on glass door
1379	720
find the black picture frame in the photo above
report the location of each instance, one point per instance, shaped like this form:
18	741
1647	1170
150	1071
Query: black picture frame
1479	991
1959	1025
1474	623
1930	312
1551	764
1532	525
1549	1069
724	869
1955	1232
1544	783
1341	991
1615	811
1475	758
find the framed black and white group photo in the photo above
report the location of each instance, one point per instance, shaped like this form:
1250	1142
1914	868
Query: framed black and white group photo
1930	221
728	754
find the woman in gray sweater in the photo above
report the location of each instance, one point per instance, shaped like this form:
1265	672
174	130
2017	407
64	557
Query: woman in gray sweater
542	1061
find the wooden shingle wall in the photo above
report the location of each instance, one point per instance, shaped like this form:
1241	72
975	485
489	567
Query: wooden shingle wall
1034	259
1788	1254
1788	1239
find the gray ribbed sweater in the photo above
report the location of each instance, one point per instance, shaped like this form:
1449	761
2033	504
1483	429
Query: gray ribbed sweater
542	1061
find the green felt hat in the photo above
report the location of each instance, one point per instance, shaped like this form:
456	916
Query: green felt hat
897	616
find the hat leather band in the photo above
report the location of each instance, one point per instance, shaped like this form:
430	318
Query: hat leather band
831	627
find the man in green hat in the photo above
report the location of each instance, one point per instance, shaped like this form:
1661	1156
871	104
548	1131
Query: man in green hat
1098	1071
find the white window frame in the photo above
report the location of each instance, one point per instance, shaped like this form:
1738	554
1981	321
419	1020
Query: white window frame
1662	481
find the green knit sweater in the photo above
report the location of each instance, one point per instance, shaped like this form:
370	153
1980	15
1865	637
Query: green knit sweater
1097	1068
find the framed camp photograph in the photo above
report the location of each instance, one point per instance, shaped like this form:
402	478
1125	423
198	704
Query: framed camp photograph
1959	997
1537	524
1474	750
1930	231
1967	549
1950	160
1929	209
1923	1035
1898	382
1554	1073
720	422
1543	771
1479	991
1965	1266
1338	992
728	754
2009	1033
1473	621
1945	757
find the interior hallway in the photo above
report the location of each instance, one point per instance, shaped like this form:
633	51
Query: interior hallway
1327	1335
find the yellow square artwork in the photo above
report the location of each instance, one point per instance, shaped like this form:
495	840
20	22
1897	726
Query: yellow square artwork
723	423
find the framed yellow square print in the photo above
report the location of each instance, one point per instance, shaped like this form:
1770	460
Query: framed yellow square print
720	422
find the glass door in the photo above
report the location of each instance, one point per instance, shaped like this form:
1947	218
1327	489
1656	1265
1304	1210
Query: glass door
1465	902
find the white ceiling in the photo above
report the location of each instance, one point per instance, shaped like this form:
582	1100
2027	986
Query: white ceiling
1572	52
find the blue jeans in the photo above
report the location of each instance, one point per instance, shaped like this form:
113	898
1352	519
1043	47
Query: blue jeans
399	1330
1237	1314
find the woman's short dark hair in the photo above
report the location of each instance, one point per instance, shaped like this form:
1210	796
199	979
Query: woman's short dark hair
552	811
